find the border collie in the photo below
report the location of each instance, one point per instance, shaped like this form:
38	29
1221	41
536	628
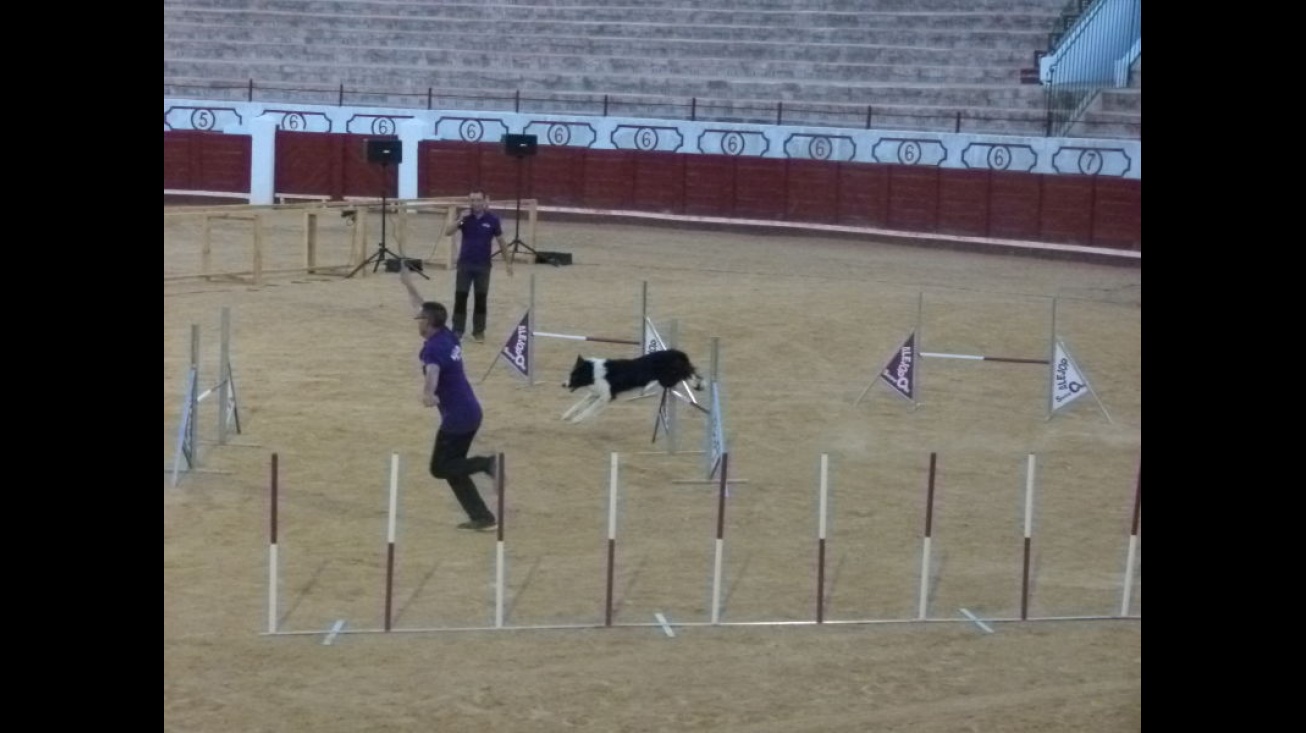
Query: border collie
608	379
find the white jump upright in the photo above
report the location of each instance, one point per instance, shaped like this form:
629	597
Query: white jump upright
714	431
186	456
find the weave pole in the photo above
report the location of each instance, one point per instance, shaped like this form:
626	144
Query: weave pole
224	374
272	549
1133	544
612	538
925	545
1029	532
390	540
500	566
720	540
820	539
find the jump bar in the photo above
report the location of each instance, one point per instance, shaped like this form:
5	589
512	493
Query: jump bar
980	357
571	337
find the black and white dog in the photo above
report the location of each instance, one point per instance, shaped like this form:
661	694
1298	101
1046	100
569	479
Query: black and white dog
608	379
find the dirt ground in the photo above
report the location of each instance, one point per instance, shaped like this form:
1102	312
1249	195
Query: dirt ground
326	373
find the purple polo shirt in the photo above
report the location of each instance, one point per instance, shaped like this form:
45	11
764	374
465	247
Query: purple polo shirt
460	412
478	235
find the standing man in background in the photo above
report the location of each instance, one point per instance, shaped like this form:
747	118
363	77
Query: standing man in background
479	227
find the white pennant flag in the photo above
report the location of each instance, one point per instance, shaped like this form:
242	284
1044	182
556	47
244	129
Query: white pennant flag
653	342
1068	384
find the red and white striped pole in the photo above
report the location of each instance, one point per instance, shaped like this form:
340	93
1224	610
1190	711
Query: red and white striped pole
1133	543
390	539
925	549
571	337
1029	532
499	561
982	357
720	540
272	550
820	539
612	538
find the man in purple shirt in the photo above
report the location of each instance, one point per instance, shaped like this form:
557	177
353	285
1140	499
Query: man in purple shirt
445	387
479	227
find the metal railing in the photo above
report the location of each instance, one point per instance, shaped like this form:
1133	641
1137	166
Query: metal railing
1095	43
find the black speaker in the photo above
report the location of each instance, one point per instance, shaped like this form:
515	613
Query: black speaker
392	264
556	259
385	152
520	146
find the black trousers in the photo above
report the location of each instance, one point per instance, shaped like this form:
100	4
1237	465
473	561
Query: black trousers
449	461
474	279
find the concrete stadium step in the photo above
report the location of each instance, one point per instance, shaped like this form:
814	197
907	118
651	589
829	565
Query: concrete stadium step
732	69
523	32
1106	125
202	33
1126	101
373	7
416	80
803	15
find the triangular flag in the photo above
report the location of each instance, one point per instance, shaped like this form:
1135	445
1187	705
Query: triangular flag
1068	384
653	342
233	409
900	372
516	350
184	458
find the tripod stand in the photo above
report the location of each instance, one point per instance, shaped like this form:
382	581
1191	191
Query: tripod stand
519	147
383	152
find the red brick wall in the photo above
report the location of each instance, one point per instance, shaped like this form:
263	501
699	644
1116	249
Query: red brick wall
1063	209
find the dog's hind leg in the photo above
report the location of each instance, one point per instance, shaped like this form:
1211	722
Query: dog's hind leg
572	413
593	408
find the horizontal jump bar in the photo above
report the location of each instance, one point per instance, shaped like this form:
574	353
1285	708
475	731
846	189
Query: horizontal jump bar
979	357
584	338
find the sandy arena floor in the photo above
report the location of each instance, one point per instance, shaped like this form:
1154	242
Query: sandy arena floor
327	377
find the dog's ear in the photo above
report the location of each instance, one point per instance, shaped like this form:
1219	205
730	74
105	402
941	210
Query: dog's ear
580	359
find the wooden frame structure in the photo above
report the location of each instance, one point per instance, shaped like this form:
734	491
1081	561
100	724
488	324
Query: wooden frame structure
444	253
